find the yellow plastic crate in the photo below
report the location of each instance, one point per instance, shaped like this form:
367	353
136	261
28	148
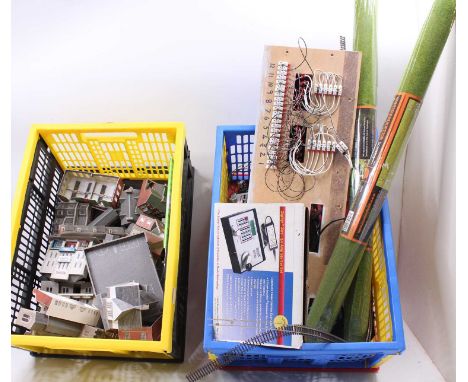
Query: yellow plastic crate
128	150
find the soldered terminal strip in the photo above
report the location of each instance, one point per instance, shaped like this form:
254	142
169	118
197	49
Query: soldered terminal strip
277	116
327	83
321	145
322	92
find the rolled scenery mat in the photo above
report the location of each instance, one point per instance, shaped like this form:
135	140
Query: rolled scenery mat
383	163
357	305
365	41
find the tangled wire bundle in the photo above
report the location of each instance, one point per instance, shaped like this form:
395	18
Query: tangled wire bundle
302	139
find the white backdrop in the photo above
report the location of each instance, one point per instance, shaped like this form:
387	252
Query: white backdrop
427	246
198	62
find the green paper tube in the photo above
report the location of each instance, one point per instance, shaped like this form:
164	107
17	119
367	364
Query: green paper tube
357	305
365	41
370	197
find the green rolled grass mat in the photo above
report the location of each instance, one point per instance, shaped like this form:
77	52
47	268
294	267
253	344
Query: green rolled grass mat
371	194
365	41
357	305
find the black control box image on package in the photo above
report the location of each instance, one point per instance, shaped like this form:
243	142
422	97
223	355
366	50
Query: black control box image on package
243	238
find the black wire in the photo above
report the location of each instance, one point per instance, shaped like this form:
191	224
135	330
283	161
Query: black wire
282	179
333	221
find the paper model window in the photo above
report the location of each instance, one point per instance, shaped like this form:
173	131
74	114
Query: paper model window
75	189
102	193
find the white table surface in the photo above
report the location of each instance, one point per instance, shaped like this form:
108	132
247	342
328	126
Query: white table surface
413	365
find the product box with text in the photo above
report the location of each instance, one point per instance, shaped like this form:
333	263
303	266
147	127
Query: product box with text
258	270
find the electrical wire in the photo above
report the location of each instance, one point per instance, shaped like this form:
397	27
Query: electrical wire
308	101
330	223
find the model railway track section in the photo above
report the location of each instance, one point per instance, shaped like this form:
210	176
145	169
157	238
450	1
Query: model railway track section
261	339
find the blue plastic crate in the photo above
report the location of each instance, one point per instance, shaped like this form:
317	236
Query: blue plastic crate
311	355
239	154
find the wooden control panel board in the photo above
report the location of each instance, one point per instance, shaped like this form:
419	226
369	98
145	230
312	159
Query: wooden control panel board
328	190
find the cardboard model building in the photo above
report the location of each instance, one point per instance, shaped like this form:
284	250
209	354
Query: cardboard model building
90	188
128	206
121	307
93	332
71	213
65	260
145	333
150	224
153	230
83	232
80	291
106	218
152	200
66	309
42	324
118	261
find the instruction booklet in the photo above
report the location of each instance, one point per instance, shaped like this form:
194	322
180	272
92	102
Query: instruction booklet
258	270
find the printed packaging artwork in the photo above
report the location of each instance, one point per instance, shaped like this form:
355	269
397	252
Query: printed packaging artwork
259	270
